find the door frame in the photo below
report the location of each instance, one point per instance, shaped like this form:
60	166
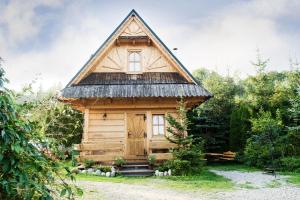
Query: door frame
126	133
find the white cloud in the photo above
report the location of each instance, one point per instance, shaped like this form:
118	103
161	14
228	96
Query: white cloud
227	38
21	20
61	62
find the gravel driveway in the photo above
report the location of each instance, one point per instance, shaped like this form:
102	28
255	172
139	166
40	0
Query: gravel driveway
249	186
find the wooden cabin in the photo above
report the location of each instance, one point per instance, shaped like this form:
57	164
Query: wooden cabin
125	91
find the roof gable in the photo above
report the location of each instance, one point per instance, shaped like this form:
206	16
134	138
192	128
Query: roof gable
132	25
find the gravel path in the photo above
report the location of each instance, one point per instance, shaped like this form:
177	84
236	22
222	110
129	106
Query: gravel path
121	191
249	186
254	179
258	186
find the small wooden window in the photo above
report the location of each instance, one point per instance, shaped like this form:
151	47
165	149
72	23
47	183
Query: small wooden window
158	124
134	61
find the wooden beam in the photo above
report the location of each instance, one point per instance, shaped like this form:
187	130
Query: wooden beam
86	124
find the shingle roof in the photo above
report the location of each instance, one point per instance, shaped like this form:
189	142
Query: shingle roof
135	90
123	78
122	85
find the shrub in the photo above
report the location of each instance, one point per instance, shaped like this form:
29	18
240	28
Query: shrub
152	159
180	167
104	168
119	162
88	163
291	164
26	172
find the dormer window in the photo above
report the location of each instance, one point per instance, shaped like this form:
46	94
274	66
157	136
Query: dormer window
134	61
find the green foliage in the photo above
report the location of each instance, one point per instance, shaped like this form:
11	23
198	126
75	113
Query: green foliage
120	161
291	164
293	136
179	167
211	120
239	128
262	148
55	120
177	131
26	171
152	159
88	163
187	156
104	168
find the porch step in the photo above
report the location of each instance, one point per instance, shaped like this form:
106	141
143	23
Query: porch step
136	172
136	169
136	166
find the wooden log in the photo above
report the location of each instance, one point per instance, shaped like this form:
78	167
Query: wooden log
162	156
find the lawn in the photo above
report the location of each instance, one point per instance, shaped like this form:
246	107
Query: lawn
204	181
232	167
293	178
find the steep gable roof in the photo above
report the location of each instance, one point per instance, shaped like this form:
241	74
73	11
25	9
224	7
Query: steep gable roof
84	70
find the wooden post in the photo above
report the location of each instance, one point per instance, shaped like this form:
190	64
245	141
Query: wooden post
149	130
86	124
125	135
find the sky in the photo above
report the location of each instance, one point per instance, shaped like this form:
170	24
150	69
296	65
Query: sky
48	41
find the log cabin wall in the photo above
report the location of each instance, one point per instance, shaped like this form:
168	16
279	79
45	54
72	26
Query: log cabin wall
106	134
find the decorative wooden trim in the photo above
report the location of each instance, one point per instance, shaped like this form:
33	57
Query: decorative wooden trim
92	63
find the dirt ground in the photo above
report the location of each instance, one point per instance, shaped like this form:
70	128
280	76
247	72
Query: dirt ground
249	186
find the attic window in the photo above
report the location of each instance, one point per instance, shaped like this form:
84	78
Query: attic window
134	61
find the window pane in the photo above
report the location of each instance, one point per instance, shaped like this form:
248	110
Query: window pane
131	57
161	120
155	130
137	57
161	130
155	120
131	67
137	66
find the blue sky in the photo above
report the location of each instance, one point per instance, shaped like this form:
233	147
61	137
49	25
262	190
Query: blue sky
49	41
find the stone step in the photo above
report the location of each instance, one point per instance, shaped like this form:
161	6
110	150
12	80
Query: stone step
136	166
137	163
137	172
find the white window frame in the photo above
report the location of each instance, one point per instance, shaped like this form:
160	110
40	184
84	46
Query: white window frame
159	125
134	62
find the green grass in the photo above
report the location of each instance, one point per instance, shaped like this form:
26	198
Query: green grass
293	177
233	167
274	184
247	185
204	181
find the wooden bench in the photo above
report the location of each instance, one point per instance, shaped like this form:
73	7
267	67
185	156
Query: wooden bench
226	156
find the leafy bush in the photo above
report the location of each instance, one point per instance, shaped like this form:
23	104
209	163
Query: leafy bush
180	167
27	169
88	163
119	162
152	159
104	168
291	164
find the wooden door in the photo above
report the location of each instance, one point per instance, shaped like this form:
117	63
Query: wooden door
136	130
